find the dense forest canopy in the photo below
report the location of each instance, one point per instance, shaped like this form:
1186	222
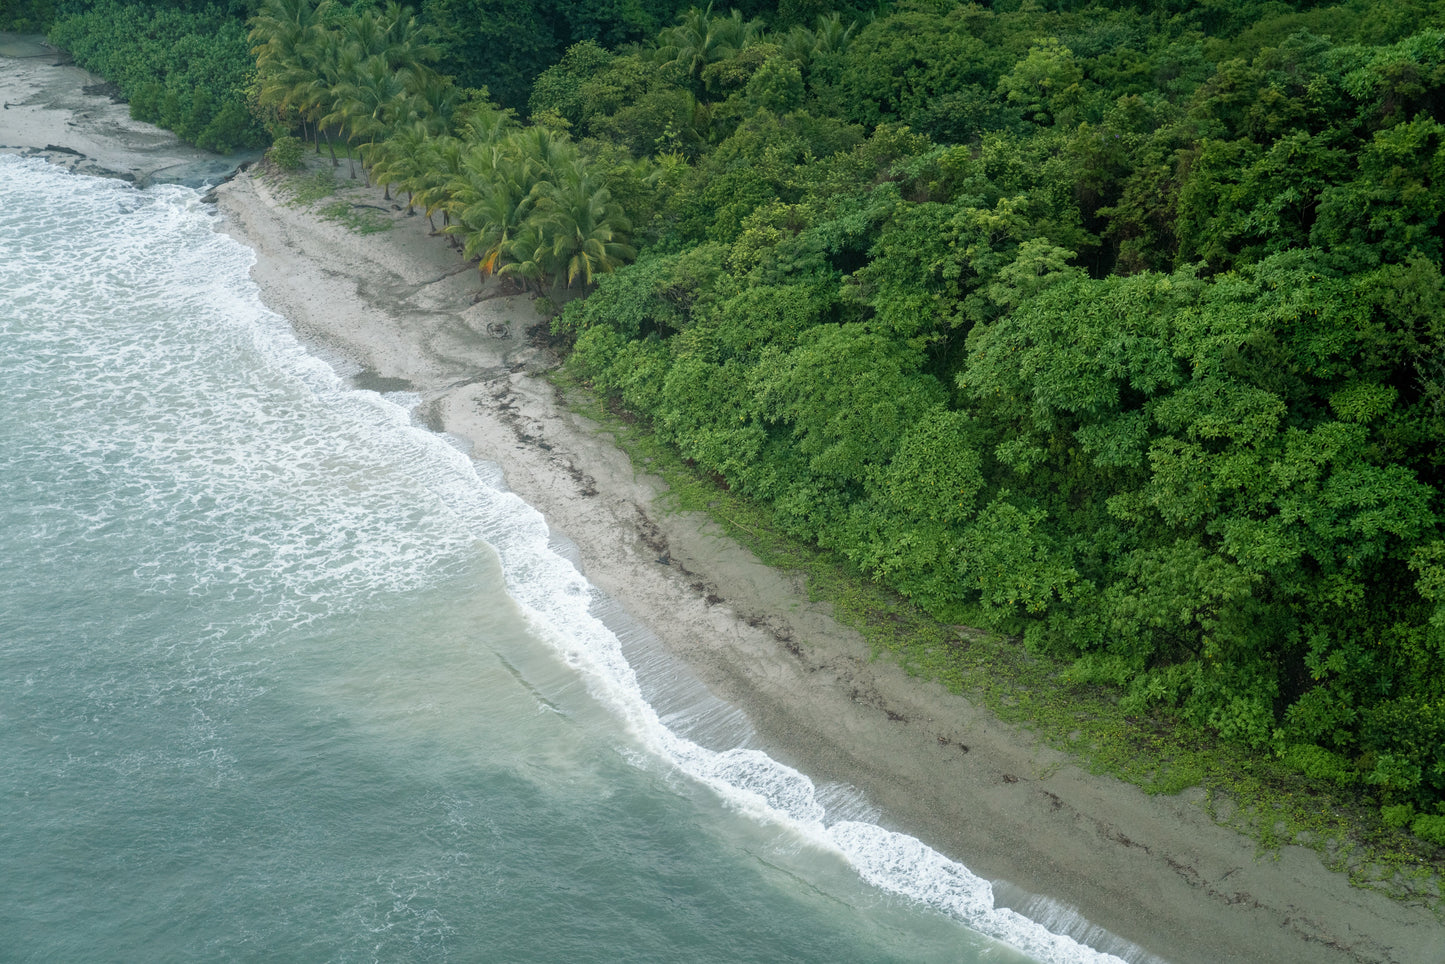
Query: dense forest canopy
1115	327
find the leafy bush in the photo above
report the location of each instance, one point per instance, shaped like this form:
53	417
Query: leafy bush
1397	816
187	71
1431	828
286	152
1319	764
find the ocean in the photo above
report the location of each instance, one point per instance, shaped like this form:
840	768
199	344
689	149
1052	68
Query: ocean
286	676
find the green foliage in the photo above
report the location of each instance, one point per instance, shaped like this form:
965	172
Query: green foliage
630	102
310	188
1397	816
933	71
1320	764
1116	342
361	221
776	86
524	200
287	153
660	295
1391	210
504	45
28	16
497	44
559	88
701	48
187	71
528	205
1046	86
1430	827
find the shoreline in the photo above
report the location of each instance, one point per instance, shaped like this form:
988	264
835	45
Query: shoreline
399	307
73	118
1059	843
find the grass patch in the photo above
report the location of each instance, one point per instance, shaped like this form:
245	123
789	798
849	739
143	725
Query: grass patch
361	219
308	187
1255	794
347	204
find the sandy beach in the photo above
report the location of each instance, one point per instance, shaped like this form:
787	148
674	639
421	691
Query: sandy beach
1156	872
1138	875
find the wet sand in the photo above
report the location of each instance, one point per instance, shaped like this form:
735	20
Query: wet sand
1130	873
53	109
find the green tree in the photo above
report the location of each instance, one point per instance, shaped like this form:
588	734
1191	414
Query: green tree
1047	85
700	40
573	234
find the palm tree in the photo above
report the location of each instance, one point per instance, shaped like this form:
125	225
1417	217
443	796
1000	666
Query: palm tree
367	32
370	104
311	83
548	154
576	233
424	114
734	33
440	164
588	231
284	35
490	198
486	125
397	160
279	28
700	39
408	43
391	34
798	44
829	41
333	92
832	37
433	98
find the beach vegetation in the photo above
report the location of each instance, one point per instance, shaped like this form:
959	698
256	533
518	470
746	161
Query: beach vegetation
361	219
307	186
183	67
287	153
523	200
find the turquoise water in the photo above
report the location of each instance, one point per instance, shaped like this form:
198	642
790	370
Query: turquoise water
285	677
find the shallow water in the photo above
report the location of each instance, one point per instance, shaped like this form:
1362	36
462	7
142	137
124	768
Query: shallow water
283	674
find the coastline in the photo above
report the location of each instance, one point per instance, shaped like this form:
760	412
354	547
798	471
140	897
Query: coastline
69	116
1157	871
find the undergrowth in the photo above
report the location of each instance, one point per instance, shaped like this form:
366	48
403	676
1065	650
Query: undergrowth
310	187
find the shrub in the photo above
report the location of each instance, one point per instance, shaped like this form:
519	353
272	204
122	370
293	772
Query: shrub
1397	816
286	152
1431	828
1319	764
